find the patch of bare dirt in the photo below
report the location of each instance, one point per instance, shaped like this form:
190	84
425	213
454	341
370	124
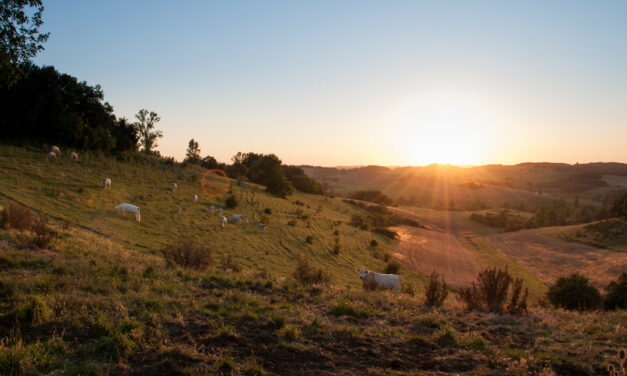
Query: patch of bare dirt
428	250
549	258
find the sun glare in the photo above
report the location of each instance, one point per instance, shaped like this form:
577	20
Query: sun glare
444	130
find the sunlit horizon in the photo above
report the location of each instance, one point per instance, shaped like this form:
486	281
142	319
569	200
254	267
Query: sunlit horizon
359	83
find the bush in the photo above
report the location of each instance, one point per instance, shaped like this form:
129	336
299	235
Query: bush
385	232
392	267
228	262
291	223
267	211
231	202
43	234
17	217
309	239
187	254
491	291
616	294
307	275
436	291
374	243
574	292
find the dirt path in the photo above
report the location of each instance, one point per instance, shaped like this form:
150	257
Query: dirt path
549	258
427	250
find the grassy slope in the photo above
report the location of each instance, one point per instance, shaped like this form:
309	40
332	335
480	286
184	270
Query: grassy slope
72	192
610	234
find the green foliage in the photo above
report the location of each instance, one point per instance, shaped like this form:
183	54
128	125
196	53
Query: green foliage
187	254
231	201
264	169
619	207
490	293
145	128
308	275
393	267
616	293
436	290
574	292
301	181
192	155
372	196
20	37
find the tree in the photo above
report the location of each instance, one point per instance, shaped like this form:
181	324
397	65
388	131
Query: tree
574	292
145	125
20	38
193	152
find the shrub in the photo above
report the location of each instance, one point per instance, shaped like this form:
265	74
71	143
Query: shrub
392	267
308	275
267	211
574	292
436	290
616	294
43	234
385	232
187	254
231	201
336	232
228	262
309	239
491	291
17	217
374	243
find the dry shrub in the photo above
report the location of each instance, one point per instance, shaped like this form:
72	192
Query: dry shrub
491	291
392	267
308	275
43	234
187	254
436	290
228	262
17	217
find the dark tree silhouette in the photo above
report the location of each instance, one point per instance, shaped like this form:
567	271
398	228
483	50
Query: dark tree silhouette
145	127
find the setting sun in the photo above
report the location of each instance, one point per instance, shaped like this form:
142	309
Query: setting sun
444	129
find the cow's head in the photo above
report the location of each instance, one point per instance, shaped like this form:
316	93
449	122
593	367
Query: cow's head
362	272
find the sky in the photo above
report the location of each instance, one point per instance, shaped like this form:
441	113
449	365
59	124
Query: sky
359	82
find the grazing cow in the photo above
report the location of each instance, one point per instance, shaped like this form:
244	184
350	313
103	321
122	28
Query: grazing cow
261	226
128	208
173	187
106	183
212	209
55	150
195	197
237	218
223	221
219	211
73	156
51	155
386	281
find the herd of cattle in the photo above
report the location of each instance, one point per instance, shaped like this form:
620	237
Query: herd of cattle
369	279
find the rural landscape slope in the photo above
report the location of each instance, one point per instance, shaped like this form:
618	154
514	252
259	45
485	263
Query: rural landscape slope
99	299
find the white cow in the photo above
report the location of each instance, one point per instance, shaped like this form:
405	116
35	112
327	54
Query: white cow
106	183
55	149
173	187
73	156
223	221
261	226
239	218
51	155
128	208
212	209
219	211
195	197
387	281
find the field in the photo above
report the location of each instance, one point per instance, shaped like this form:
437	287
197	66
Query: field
100	300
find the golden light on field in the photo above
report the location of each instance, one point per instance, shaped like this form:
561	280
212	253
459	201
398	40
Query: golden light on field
444	129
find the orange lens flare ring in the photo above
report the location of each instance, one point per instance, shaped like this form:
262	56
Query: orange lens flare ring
215	192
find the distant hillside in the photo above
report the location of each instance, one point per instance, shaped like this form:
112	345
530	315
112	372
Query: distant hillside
526	184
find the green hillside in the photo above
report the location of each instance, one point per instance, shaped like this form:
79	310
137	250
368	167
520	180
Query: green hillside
72	193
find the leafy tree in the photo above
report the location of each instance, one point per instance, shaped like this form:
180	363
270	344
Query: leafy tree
616	293
574	292
301	181
145	127
193	152
46	106
20	38
209	162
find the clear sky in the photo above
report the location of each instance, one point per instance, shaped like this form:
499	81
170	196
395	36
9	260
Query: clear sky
359	82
